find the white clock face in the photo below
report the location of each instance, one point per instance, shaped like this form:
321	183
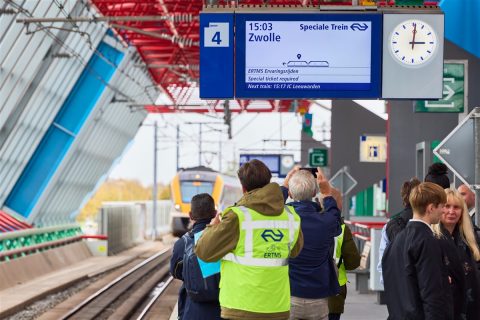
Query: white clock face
413	42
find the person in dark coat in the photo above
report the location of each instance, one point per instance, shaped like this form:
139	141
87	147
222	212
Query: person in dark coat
313	277
347	257
202	212
438	174
460	249
414	276
398	222
469	197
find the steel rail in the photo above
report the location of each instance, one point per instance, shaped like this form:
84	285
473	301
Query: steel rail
111	284
155	298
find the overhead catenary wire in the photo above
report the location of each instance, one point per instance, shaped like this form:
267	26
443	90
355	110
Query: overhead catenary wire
263	139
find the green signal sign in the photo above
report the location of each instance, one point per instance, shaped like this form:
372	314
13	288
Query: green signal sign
318	158
454	85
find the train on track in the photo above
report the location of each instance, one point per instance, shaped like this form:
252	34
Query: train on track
224	189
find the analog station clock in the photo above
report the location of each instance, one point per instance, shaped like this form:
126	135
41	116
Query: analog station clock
413	43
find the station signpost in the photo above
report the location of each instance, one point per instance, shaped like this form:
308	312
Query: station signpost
460	151
343	181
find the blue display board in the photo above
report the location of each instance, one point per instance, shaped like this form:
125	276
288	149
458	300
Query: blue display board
310	55
272	161
216	55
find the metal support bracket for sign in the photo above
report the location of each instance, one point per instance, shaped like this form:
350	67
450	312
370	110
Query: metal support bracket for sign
460	151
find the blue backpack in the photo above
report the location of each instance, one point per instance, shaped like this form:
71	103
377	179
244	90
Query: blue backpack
199	289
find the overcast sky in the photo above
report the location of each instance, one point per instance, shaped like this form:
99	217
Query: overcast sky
249	132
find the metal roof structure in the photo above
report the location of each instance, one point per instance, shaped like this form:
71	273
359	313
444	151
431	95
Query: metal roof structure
78	77
65	117
166	35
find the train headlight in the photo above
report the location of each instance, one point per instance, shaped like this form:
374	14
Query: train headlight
177	207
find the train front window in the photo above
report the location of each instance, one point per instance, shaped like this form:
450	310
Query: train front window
191	188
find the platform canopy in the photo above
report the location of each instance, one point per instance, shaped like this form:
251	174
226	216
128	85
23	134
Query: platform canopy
166	35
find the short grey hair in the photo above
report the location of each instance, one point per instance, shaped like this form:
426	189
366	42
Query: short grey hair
302	185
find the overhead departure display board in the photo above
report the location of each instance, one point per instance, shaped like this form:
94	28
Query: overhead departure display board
307	55
250	53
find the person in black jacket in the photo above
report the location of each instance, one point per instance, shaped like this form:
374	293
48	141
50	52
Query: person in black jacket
202	211
438	173
414	276
398	222
455	233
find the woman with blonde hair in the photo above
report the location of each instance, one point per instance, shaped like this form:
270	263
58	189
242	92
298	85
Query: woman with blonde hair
461	252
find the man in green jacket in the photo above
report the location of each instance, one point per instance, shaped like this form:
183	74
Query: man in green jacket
347	257
254	240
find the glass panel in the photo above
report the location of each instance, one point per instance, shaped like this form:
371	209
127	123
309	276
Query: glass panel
191	188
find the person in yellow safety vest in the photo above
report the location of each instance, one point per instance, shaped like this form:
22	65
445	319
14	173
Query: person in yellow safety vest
254	239
347	257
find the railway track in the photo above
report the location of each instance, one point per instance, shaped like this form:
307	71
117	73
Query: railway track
124	297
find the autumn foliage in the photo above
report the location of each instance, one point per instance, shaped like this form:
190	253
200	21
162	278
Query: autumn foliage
120	190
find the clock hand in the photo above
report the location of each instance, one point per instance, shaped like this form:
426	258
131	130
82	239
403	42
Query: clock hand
414	33
417	42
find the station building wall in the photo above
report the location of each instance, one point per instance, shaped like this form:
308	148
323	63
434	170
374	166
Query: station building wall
349	122
407	128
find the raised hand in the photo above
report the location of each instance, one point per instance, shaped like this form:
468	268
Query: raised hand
323	183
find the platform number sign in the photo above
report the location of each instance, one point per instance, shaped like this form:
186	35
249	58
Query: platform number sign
217	34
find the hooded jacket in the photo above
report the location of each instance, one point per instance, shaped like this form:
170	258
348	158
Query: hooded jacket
220	239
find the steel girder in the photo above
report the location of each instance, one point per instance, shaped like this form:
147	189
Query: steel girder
170	47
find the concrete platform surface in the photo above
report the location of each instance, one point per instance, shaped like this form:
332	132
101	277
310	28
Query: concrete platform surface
362	306
357	307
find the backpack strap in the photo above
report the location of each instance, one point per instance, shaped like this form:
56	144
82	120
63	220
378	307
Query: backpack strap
185	237
340	261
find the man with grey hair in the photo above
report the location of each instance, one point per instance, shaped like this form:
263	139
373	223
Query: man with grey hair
313	276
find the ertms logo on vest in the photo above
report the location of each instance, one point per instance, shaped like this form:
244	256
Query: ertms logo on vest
270	234
273	251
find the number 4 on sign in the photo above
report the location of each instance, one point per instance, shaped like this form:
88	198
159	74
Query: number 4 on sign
217	34
216	37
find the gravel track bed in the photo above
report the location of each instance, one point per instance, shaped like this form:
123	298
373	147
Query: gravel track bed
37	308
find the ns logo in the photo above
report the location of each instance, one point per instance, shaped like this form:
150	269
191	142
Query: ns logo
272	235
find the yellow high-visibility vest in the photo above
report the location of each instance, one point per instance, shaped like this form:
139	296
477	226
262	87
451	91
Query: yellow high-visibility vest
254	276
342	273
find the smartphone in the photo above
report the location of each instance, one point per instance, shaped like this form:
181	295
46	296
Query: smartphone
312	171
